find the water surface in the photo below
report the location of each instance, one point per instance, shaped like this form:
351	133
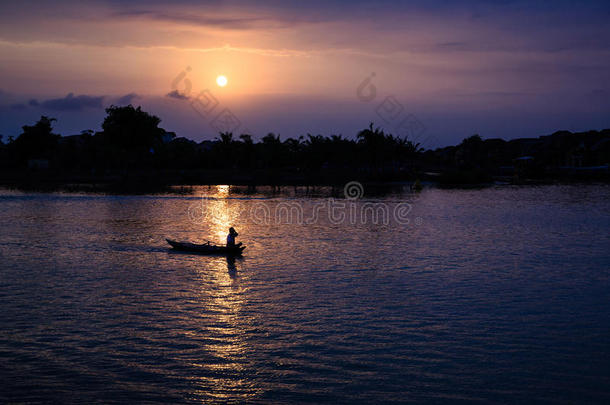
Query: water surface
497	294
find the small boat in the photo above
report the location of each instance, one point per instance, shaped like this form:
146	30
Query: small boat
206	248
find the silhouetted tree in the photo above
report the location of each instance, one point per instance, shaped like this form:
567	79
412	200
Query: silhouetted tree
36	141
226	138
247	139
132	128
130	138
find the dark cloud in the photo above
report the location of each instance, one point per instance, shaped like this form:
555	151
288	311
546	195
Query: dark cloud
33	102
127	99
73	103
177	95
195	19
374	26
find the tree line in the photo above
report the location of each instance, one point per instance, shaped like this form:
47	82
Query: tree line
131	139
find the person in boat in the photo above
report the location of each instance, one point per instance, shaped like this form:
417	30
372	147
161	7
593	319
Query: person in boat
231	238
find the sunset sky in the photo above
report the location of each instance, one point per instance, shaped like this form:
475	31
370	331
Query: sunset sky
498	68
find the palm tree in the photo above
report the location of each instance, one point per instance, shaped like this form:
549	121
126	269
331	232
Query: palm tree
226	138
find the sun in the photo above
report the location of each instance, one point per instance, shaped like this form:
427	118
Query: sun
221	81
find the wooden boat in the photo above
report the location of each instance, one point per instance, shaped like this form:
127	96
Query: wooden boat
206	248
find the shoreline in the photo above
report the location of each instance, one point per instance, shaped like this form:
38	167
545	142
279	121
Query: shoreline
171	183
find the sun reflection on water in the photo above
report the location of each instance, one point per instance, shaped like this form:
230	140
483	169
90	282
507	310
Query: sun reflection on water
219	213
221	374
224	334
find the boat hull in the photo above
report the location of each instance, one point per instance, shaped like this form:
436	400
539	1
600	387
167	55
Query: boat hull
205	248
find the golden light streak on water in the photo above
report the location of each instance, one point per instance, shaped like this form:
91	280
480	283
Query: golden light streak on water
228	330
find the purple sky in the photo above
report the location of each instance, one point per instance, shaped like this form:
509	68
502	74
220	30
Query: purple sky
442	70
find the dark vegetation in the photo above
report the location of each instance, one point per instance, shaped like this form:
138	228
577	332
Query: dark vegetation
132	151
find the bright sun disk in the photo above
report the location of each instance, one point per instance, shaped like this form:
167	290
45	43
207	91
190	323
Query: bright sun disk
221	81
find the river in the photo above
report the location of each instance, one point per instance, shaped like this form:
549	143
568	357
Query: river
498	294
